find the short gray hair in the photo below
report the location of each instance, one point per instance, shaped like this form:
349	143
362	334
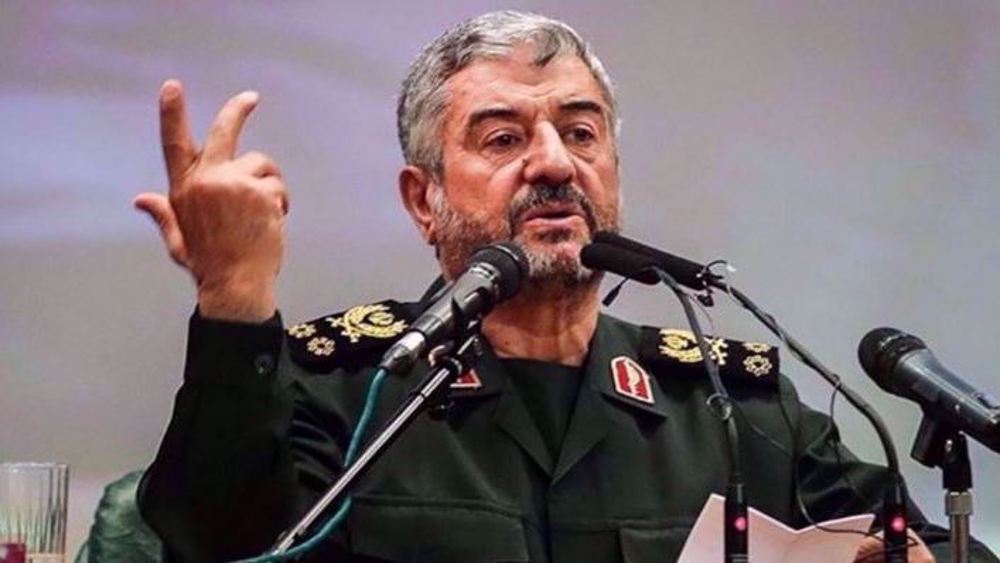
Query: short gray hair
423	98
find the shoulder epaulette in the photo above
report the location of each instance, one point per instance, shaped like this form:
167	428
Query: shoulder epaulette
670	351
350	337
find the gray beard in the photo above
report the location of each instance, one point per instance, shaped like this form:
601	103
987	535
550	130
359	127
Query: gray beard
548	269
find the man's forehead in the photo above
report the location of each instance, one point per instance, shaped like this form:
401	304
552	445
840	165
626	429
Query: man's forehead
516	80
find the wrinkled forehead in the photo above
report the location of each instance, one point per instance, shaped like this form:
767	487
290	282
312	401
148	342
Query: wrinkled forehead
517	81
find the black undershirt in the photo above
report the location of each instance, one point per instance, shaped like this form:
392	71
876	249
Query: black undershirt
549	392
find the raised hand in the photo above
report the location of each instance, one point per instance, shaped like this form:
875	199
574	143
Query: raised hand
223	217
871	550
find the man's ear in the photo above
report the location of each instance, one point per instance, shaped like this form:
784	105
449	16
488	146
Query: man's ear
415	186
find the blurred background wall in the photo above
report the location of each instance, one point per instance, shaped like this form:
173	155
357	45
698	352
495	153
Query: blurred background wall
843	155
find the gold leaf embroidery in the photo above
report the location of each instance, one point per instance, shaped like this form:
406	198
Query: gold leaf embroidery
682	346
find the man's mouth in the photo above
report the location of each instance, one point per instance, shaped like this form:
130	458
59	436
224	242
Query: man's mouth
554	215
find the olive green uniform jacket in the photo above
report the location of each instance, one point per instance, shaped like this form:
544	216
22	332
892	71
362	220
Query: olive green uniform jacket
261	423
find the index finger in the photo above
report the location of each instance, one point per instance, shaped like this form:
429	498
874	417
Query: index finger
179	149
225	132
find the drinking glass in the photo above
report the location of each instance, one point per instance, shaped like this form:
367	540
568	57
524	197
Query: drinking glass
33	509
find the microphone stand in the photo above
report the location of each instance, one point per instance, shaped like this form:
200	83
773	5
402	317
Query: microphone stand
939	444
634	260
446	369
894	517
737	525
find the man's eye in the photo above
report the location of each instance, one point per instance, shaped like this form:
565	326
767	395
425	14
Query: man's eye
581	135
502	140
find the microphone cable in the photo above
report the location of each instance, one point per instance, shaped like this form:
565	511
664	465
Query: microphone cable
364	419
792	455
896	494
630	258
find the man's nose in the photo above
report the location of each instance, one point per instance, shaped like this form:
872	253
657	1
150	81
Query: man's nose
548	161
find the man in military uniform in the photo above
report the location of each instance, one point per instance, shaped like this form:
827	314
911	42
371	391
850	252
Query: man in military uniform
575	437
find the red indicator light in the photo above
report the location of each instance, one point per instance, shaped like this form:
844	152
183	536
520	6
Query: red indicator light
740	523
898	524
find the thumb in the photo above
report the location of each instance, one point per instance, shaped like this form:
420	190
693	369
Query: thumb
869	551
157	206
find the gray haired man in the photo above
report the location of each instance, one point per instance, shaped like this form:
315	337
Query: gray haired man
576	437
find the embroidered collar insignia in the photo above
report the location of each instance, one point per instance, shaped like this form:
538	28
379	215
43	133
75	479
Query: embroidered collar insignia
468	380
631	380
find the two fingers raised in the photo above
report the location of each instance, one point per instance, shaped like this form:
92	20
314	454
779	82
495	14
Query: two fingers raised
182	155
179	148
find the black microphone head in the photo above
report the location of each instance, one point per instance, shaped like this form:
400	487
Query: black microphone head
881	349
510	262
686	272
607	258
610	237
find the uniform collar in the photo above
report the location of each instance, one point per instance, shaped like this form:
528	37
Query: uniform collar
596	402
612	339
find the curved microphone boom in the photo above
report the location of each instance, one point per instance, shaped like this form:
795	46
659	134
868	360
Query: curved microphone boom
617	254
493	274
604	255
614	253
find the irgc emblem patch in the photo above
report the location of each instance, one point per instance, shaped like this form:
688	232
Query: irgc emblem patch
372	321
631	380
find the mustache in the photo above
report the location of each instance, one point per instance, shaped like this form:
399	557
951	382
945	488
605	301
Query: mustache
543	194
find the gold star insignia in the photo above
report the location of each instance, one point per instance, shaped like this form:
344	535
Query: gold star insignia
758	366
757	347
304	330
321	346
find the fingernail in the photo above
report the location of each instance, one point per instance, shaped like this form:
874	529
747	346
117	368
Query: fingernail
170	85
251	96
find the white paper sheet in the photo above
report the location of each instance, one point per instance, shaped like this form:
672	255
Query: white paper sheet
772	541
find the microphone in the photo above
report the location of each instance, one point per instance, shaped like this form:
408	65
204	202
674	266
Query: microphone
902	364
687	272
493	274
608	258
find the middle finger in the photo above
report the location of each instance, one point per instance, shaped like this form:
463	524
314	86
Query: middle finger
223	137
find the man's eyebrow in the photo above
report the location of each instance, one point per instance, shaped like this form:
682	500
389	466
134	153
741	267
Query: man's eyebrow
480	115
582	105
507	112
